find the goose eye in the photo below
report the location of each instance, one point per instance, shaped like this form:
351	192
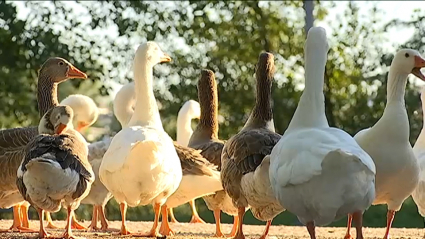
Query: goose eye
58	117
406	55
61	63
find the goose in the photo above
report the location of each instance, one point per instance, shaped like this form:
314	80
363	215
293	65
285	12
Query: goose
387	142
190	110
244	159
55	169
85	110
12	141
419	151
205	138
135	180
317	172
86	113
200	177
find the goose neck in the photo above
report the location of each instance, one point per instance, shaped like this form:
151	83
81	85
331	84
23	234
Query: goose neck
146	109
46	93
262	114
396	87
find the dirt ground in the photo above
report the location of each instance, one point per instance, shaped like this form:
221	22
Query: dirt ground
200	231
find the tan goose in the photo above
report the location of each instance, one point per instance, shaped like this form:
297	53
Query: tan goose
12	141
55	169
205	138
200	177
245	161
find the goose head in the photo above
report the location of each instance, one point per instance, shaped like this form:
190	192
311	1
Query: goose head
59	69
316	41
409	61
151	54
85	110
56	120
190	108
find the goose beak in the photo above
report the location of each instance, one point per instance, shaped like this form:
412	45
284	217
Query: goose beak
419	63
74	72
81	126
60	128
165	58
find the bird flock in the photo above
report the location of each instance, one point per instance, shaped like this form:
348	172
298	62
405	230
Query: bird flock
317	172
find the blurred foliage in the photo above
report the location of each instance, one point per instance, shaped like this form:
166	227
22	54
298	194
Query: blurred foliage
226	37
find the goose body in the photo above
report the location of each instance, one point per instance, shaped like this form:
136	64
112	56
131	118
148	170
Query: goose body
387	142
419	151
55	169
317	172
13	141
135	180
244	161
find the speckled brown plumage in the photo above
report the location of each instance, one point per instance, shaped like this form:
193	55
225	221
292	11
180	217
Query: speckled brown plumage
193	162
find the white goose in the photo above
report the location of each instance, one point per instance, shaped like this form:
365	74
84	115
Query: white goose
86	111
419	151
189	111
317	172
136	180
387	142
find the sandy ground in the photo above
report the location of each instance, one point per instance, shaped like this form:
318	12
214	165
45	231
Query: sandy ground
200	231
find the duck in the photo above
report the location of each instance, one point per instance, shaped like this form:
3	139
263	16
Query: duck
55	169
13	141
418	194
205	138
85	109
189	111
244	159
387	142
200	177
317	172
151	179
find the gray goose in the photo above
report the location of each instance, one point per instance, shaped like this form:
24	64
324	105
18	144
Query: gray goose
245	158
205	138
55	170
12	141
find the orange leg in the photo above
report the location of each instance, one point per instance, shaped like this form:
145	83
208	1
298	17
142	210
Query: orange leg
93	224
239	232
24	215
165	229
195	215
235	226
68	233
76	224
124	230
101	214
218	232
42	233
358	220
347	234
154	231
50	224
172	217
266	230
17	222
311	228
390	218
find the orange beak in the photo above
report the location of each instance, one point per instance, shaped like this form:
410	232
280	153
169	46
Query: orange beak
165	58
60	128
419	63
81	126
73	72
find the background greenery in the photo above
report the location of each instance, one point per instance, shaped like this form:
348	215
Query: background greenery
226	37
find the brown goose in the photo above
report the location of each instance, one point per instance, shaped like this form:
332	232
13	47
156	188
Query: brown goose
244	165
205	138
12	141
55	169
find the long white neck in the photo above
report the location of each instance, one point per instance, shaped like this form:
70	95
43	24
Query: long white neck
311	108
184	126
395	121
146	110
